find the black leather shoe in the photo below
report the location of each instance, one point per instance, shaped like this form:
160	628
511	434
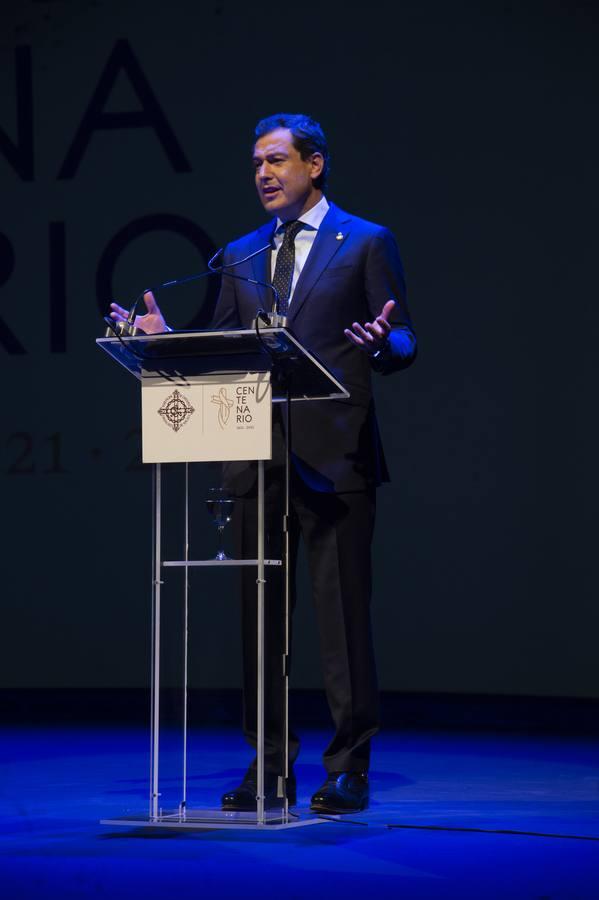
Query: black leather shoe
342	792
243	798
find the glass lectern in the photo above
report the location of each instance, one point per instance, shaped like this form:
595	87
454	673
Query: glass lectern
191	382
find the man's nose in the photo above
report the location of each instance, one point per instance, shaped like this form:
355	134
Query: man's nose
263	171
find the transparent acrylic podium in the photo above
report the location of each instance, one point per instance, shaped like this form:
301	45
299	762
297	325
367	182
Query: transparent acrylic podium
194	359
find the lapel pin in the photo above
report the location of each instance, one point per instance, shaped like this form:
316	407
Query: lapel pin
339	236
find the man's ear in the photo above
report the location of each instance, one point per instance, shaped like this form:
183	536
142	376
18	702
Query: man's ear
317	160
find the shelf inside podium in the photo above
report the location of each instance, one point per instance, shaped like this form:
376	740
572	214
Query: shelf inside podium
182	563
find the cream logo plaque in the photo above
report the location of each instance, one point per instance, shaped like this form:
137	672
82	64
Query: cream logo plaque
206	417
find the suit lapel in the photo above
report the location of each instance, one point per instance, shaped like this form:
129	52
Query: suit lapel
261	263
323	250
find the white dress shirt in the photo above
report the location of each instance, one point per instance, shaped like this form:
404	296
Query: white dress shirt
303	240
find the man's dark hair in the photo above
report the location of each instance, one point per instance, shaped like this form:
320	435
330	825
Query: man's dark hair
308	138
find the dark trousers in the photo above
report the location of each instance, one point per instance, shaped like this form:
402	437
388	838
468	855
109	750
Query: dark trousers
337	531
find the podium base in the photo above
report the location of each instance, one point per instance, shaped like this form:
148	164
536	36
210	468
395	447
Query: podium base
203	819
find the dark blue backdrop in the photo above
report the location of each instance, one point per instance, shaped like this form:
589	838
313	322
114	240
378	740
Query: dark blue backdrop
471	131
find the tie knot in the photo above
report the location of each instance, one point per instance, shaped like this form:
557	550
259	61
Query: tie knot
291	229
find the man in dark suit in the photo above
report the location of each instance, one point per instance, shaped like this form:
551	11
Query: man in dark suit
341	284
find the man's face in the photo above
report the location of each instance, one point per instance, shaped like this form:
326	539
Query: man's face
284	180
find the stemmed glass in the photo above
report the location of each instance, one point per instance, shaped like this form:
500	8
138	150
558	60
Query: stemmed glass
220	506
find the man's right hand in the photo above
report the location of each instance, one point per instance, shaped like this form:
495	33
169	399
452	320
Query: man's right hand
152	323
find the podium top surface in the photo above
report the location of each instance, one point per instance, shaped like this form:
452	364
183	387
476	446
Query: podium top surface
185	355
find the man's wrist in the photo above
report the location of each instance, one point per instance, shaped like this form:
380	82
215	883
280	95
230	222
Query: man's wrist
380	357
381	352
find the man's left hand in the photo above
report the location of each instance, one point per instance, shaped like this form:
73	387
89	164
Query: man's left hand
372	336
153	321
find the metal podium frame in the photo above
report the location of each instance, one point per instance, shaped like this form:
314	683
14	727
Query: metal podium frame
295	375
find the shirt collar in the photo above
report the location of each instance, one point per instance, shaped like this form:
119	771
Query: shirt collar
313	217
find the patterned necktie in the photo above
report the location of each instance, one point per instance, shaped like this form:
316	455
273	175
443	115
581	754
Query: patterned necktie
285	263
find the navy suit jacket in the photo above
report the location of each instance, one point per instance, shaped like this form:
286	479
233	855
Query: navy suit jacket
352	269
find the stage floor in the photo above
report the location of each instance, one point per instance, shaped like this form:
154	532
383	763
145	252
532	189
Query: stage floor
452	816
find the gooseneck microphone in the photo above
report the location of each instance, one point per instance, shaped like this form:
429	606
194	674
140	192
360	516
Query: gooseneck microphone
128	328
272	319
